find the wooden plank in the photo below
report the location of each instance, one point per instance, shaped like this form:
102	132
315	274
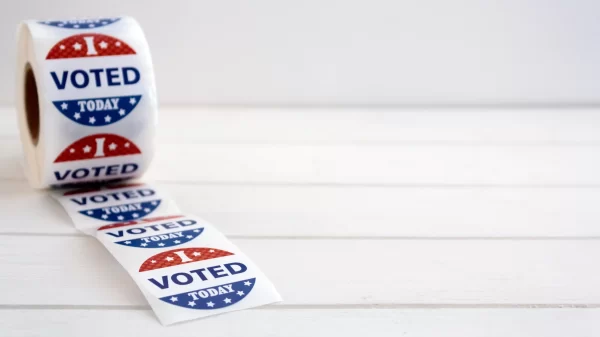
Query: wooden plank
380	126
366	125
404	165
412	165
50	270
347	211
321	322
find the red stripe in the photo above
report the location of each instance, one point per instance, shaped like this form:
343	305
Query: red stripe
162	260
131	223
85	148
76	46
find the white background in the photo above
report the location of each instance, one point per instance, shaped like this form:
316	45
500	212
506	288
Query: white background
351	52
412	221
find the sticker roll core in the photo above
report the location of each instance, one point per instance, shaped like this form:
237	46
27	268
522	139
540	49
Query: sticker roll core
86	101
32	105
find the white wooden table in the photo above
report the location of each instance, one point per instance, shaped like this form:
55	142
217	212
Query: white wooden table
461	222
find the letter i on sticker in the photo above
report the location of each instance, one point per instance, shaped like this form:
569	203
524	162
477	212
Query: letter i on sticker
168	273
93	147
94	111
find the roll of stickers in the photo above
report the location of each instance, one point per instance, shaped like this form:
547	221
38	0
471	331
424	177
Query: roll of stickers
87	113
86	100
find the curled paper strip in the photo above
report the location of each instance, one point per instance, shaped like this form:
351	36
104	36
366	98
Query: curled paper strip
185	268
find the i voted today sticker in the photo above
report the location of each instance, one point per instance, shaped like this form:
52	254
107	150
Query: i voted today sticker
160	232
94	207
197	278
206	276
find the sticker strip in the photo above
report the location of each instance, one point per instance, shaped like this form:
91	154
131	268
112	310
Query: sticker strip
186	268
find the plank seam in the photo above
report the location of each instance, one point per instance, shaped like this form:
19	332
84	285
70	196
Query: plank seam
354	185
355	238
172	141
318	306
587	105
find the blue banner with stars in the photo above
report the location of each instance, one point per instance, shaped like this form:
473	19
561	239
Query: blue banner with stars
124	212
100	111
81	24
216	297
163	240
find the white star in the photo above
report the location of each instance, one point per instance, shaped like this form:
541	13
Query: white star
72	150
247	283
147	210
169	258
77	45
107	119
77	115
191	303
211	251
196	230
120	217
87	149
75	26
144	244
62	47
90	212
153	261
127	242
126	144
132	100
210	304
162	244
227	300
135	215
64	106
122	112
240	293
104	216
189	236
173	299
91	25
196	253
118	44
92	120
112	146
153	203
61	25
104	22
103	45
176	241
